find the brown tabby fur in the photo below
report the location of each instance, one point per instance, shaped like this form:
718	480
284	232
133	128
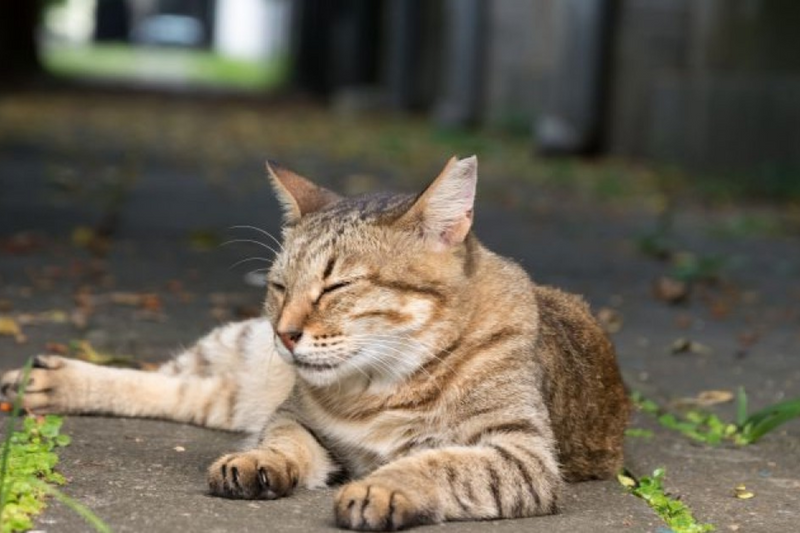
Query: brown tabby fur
428	371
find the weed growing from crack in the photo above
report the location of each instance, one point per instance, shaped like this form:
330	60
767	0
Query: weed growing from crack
710	429
671	510
27	468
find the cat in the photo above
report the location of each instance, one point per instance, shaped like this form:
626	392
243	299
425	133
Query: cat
397	357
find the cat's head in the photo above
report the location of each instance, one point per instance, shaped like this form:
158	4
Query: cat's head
367	285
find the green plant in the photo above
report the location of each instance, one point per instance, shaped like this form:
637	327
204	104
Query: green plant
710	429
27	468
690	267
639	433
672	511
751	428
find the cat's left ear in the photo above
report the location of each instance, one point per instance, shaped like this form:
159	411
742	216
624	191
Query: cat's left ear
298	195
442	214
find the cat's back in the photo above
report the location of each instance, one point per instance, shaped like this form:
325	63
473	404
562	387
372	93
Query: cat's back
582	386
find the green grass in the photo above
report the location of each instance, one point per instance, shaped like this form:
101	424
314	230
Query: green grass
27	469
671	510
171	65
708	428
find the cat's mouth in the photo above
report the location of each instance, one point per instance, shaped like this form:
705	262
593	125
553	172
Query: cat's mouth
317	365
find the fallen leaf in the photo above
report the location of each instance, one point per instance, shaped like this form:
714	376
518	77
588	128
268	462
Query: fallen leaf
626	481
126	298
151	302
56	348
670	290
10	328
23	242
82	236
741	492
704	399
713	397
610	319
748	338
684	345
83	350
147	301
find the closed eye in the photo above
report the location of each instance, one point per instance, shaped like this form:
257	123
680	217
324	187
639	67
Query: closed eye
277	287
334	287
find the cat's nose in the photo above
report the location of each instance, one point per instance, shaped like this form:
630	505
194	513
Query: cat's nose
290	339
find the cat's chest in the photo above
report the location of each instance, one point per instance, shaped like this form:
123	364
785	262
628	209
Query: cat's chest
368	441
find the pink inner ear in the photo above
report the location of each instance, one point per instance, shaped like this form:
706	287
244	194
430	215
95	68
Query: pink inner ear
459	230
300	195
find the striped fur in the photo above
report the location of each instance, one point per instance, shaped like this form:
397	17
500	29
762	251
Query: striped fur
397	353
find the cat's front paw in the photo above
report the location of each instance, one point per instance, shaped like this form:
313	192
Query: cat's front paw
380	505
253	475
47	388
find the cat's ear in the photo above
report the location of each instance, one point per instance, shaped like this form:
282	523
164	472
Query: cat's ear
442	214
297	195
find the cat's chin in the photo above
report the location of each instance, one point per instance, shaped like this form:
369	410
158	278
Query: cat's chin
318	376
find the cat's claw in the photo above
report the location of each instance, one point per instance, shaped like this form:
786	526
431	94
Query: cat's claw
253	475
44	389
378	506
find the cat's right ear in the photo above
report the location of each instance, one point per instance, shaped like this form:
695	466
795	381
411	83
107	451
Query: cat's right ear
298	196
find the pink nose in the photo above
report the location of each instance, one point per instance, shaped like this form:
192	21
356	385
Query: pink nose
290	339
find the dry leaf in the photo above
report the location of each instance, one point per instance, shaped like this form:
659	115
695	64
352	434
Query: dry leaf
22	243
10	328
610	319
82	236
56	348
684	345
626	481
670	290
713	397
741	492
126	298
704	399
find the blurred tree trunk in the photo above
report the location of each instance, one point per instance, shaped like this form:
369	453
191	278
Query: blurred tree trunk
311	39
111	21
19	56
335	44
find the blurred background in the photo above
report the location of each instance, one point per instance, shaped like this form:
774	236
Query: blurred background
709	86
642	153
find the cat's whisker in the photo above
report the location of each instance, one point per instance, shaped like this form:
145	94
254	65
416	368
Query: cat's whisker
250	241
400	339
248	259
411	344
394	354
262	231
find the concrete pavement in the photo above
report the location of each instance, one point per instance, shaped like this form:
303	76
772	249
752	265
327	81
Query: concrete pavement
164	229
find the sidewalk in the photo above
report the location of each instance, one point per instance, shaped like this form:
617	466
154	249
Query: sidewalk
164	234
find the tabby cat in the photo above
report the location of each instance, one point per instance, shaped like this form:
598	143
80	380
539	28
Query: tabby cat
398	356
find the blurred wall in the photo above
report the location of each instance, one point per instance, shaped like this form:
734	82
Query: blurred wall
706	83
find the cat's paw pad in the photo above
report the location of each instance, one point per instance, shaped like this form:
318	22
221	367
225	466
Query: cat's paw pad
45	387
253	475
378	506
